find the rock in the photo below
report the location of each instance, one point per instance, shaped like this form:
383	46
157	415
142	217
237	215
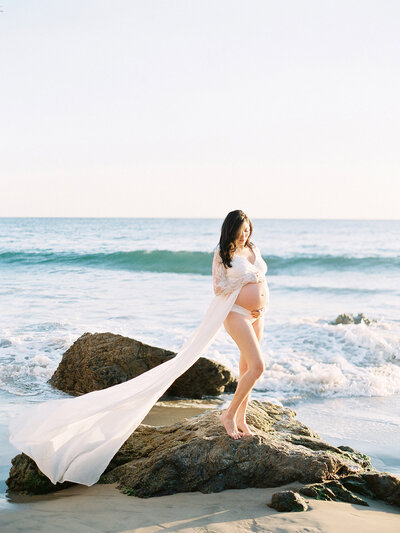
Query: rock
331	490
384	485
356	483
196	454
26	478
375	485
347	318
100	360
288	500
361	318
344	318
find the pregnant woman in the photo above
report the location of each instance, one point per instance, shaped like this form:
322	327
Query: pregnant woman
74	439
245	321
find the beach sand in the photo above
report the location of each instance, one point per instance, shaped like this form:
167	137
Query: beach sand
103	508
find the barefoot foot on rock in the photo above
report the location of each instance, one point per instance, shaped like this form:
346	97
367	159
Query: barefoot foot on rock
230	425
244	428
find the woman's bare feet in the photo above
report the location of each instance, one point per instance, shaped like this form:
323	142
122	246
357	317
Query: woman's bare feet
230	425
244	428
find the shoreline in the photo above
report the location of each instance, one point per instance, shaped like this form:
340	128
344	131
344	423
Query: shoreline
104	508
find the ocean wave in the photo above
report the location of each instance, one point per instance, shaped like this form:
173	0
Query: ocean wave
318	359
337	291
197	262
138	260
299	263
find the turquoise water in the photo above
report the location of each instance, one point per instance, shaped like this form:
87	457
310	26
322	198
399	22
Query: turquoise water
150	279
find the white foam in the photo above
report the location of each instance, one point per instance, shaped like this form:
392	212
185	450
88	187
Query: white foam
308	357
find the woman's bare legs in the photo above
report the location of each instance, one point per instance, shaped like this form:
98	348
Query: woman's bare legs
243	333
258	326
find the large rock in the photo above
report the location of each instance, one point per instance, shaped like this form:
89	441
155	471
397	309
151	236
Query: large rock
100	360
197	454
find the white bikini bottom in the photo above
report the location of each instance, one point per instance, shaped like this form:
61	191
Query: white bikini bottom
243	311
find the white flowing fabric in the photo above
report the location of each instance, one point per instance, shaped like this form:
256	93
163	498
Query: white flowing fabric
74	439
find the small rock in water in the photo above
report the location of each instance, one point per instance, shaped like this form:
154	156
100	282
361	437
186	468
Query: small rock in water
344	318
348	318
361	318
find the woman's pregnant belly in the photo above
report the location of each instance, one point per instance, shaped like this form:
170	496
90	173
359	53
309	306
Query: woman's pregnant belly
253	296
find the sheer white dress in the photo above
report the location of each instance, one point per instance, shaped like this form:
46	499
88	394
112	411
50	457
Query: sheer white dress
74	439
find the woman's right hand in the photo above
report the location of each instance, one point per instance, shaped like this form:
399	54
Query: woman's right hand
257	312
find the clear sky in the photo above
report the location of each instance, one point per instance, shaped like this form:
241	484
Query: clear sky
285	109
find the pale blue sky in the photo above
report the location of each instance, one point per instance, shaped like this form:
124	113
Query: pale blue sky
285	109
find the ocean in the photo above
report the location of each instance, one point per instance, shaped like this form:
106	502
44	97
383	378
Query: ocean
150	279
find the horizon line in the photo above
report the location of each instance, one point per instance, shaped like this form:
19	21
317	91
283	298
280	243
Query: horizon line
196	218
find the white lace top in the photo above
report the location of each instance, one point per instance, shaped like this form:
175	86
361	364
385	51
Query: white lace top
227	280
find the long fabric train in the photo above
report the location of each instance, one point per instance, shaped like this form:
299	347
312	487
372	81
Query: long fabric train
74	439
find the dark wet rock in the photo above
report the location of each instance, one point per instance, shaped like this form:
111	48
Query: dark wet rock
348	318
333	491
99	360
374	485
196	454
26	478
384	485
288	500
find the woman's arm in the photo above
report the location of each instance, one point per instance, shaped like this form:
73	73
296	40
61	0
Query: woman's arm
222	284
219	274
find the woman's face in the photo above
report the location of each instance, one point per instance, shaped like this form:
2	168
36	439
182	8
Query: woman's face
243	234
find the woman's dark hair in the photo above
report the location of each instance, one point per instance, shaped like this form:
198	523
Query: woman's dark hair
229	232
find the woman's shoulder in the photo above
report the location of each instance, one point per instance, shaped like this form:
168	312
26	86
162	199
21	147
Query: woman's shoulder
256	250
